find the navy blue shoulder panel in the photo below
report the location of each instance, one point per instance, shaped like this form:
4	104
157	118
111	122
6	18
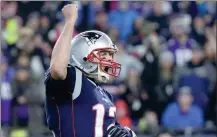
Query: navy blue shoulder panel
55	88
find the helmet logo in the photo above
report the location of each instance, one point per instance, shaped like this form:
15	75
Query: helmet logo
91	37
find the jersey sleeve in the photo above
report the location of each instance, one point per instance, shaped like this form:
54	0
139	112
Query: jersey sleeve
60	88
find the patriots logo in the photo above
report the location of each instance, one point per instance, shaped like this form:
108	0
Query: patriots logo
91	37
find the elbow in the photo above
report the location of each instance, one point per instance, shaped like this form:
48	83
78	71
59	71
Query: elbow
58	72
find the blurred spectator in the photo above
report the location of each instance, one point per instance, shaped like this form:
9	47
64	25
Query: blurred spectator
141	30
123	19
136	36
195	75
210	65
55	32
123	115
11	27
101	22
24	43
183	114
44	27
114	34
6	93
150	74
33	21
95	6
211	8
198	31
25	7
212	111
181	44
127	61
165	87
187	7
20	86
135	96
149	123
50	8
148	38
158	16
9	9
211	35
11	30
87	13
23	60
42	50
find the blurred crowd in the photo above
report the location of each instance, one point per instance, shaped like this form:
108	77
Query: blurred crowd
167	51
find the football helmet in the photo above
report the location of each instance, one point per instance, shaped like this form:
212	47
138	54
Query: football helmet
85	54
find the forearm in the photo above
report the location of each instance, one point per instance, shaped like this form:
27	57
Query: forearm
61	52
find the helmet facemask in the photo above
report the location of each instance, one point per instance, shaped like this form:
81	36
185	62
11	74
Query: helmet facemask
105	68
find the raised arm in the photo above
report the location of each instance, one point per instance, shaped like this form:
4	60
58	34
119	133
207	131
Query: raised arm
61	52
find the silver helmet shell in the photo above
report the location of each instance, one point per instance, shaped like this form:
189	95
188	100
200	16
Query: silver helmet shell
86	44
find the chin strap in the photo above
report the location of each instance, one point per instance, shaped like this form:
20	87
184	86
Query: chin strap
99	76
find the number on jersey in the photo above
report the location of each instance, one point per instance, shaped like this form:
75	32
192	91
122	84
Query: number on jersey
99	120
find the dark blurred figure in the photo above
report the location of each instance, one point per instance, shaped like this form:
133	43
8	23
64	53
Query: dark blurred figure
150	75
158	16
182	114
42	50
20	87
25	7
198	31
212	111
165	89
136	36
101	22
195	75
87	14
51	8
189	7
210	64
149	124
135	96
28	90
44	27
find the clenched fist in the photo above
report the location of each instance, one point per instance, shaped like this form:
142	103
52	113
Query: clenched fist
70	13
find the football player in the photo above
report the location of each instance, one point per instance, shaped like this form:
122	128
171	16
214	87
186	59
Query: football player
75	105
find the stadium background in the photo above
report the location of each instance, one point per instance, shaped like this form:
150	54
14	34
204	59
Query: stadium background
167	51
